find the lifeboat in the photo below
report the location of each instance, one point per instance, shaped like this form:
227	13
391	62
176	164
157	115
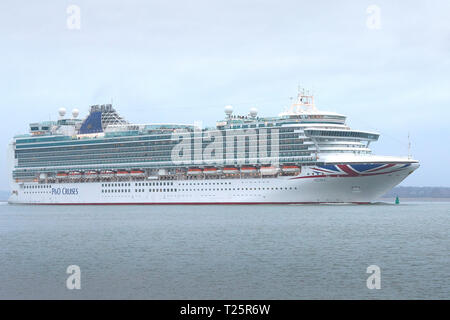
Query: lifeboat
106	174
248	170
137	173
231	170
122	174
211	171
194	171
268	171
75	175
91	174
162	172
62	175
290	169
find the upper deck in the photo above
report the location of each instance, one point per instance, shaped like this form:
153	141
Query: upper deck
106	141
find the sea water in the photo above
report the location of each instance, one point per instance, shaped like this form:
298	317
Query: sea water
226	252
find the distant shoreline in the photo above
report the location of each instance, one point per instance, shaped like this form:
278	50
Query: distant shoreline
392	199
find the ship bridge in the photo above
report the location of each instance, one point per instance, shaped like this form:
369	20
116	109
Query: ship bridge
332	133
340	140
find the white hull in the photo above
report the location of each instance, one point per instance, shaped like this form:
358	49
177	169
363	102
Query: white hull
305	188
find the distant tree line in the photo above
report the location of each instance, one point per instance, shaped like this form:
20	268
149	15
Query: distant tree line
419	192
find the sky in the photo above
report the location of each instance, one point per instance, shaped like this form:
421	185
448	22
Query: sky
384	64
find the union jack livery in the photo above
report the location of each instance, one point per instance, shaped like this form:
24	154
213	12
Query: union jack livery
303	155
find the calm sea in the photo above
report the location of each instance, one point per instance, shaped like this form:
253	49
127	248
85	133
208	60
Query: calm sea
226	252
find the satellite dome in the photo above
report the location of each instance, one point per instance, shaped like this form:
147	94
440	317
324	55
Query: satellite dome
75	113
62	112
253	112
228	110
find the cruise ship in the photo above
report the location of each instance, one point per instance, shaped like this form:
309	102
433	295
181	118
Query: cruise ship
303	155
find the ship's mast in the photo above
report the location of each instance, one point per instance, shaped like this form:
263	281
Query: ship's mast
304	103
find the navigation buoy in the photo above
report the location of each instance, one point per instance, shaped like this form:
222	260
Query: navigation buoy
397	200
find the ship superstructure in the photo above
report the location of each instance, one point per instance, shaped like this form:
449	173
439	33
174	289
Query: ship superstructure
303	155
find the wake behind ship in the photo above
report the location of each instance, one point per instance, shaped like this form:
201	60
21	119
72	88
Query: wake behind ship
304	155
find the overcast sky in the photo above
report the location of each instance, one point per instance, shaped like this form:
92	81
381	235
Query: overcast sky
183	61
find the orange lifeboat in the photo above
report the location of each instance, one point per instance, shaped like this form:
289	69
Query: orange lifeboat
211	171
194	171
106	174
122	174
62	175
231	170
248	170
290	169
268	171
91	174
75	175
137	173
